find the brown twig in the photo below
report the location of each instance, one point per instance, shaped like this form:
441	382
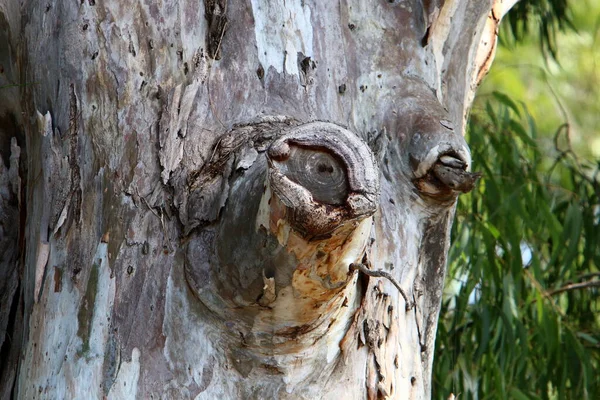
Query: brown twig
566	288
574	286
382	274
221	38
589	275
161	219
152	210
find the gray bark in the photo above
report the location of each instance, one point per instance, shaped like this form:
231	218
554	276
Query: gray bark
198	178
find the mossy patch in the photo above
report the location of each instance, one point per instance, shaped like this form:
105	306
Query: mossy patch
86	310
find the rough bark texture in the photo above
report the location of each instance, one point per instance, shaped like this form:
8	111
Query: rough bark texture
168	226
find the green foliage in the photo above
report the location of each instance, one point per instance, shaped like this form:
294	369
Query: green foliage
521	312
548	16
560	90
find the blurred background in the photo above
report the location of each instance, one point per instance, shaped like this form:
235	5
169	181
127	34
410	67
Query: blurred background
521	310
553	69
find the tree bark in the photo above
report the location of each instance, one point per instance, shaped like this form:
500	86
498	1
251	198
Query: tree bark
198	178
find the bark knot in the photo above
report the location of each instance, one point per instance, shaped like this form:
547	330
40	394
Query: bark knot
324	175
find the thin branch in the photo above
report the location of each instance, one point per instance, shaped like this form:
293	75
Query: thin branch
574	286
164	229
566	288
221	38
215	149
147	205
417	319
544	294
382	274
161	219
589	275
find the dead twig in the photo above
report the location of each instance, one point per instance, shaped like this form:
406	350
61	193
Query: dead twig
574	286
382	274
161	219
146	203
566	288
589	275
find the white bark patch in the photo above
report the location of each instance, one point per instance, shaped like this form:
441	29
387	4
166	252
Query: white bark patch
369	100
62	217
58	366
189	348
339	330
246	158
479	64
264	211
45	372
282	31
125	386
436	152
440	29
486	50
43	251
86	372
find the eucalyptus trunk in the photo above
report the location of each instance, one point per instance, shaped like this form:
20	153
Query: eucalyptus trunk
230	199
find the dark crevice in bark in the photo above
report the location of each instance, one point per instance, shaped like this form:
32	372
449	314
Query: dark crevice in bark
9	128
434	253
11	231
214	11
10	348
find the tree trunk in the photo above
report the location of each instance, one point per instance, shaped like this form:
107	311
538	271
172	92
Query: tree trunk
244	199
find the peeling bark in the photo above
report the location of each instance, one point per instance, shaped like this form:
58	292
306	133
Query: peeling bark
185	185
